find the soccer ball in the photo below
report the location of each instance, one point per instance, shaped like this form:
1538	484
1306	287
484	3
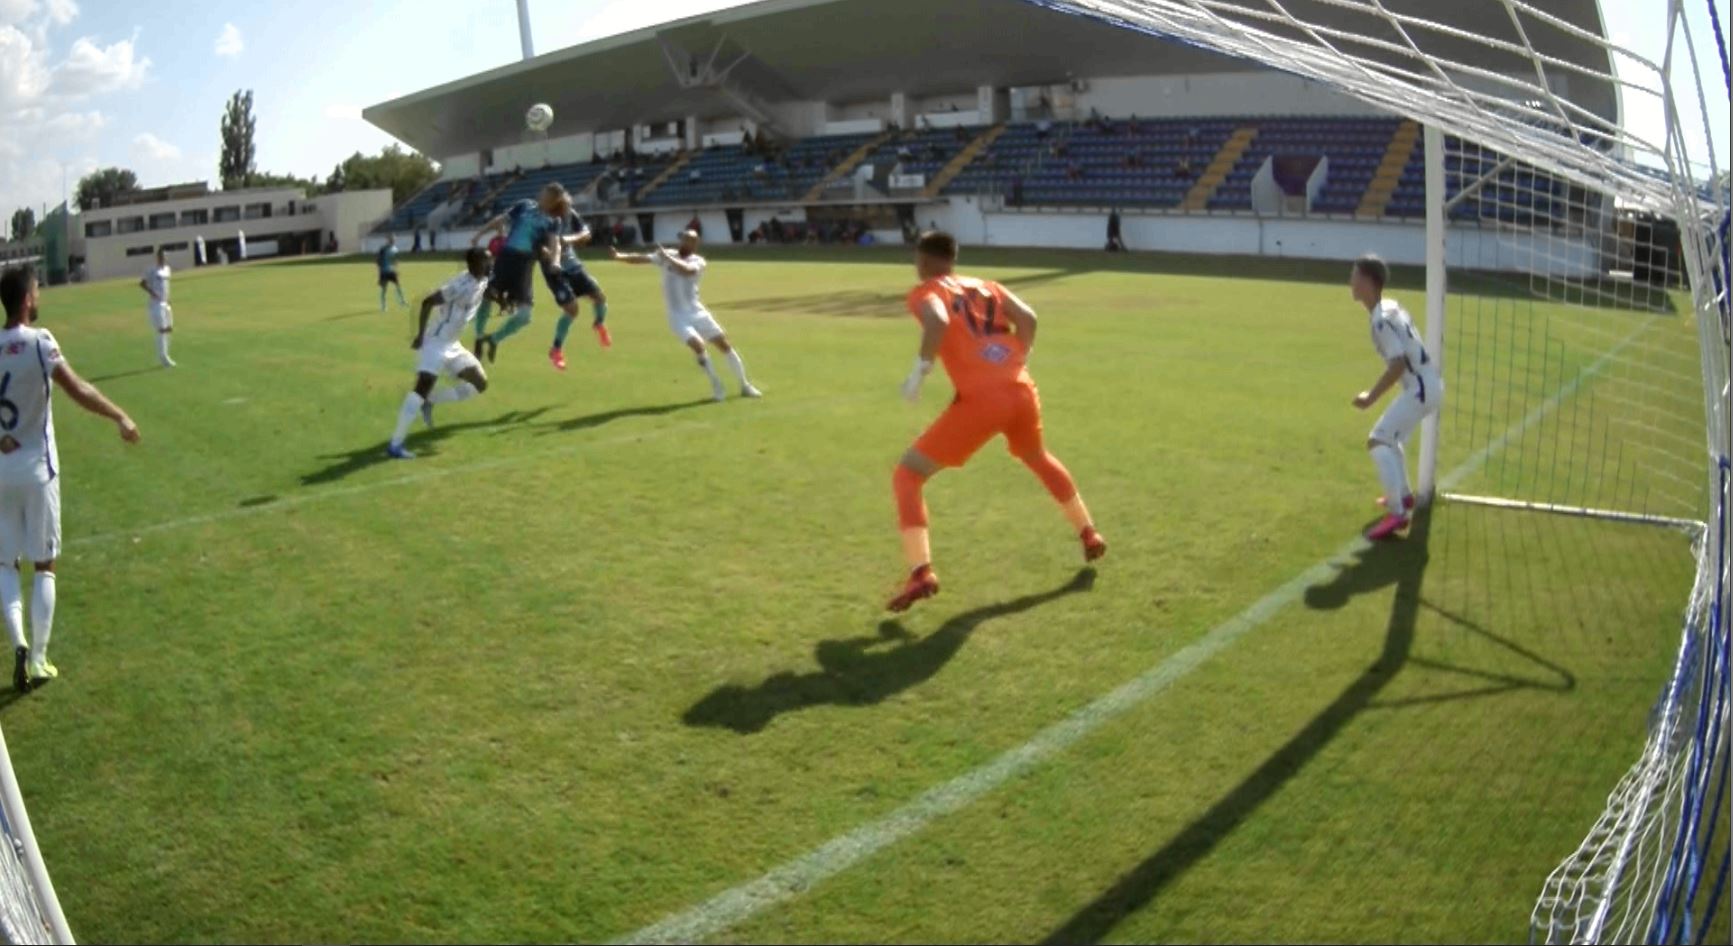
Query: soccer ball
540	117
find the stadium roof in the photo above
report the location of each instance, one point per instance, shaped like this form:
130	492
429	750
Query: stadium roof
844	51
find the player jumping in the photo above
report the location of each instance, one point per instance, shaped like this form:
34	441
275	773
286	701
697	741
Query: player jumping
442	351
387	263
531	230
30	468
162	318
690	322
984	334
1405	361
569	282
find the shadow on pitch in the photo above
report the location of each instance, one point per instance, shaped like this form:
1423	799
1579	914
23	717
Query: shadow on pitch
861	671
344	465
607	417
358	314
116	376
1402	564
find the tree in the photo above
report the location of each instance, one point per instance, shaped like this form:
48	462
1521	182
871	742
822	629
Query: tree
23	223
405	172
239	157
100	188
267	179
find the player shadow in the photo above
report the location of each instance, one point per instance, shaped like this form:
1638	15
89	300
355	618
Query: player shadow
607	417
861	671
358	314
344	465
117	375
1402	564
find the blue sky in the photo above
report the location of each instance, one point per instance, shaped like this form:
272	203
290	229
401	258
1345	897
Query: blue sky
87	83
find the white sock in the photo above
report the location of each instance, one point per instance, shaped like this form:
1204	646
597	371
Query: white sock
710	371
462	392
12	604
41	615
1393	472
162	347
739	367
406	417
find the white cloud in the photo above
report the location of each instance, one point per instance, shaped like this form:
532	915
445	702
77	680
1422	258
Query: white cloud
229	42
90	69
16	11
155	148
343	112
24	77
62	12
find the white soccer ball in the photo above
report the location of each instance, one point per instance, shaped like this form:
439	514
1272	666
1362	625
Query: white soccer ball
540	117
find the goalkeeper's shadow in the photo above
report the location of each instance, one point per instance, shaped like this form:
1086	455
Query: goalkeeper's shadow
1402	564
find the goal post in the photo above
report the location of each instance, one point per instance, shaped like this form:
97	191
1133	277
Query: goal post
29	909
1577	273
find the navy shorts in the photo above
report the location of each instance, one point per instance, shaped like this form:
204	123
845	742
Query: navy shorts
513	280
569	285
387	278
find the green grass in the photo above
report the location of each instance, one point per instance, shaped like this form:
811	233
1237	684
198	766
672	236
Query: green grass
605	651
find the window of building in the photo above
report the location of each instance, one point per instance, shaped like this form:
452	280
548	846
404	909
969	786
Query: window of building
129	225
258	211
174	247
140	250
163	221
100	228
195	218
228	214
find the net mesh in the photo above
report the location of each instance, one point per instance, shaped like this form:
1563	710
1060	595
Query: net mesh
1586	348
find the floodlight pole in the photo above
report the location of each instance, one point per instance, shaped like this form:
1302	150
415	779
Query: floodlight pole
523	28
1436	210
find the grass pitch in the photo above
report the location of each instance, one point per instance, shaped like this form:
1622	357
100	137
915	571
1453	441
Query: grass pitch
607	650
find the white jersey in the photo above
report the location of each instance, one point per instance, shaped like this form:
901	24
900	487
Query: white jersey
28	357
1394	337
157	280
679	290
462	294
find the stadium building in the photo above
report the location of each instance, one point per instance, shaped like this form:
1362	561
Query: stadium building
834	117
122	239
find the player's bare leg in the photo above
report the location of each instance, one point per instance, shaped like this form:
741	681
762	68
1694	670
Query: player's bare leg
739	366
716	390
911	476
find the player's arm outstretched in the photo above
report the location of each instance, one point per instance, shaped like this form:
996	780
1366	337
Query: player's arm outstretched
1393	371
496	225
435	298
580	238
632	259
85	395
934	321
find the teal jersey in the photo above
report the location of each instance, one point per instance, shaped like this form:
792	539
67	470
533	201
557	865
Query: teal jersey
387	260
527	228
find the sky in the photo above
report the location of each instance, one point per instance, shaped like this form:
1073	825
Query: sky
92	83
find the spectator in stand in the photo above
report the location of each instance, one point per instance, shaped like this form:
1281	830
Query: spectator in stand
1182	170
1043	128
1074	170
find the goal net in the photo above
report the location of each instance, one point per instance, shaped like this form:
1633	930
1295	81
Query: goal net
1575	219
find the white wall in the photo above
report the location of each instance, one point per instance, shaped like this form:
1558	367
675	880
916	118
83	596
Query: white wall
800	119
460	167
1266	193
858	126
856	111
1267	93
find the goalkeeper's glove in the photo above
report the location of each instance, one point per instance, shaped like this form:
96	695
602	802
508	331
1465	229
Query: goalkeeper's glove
912	386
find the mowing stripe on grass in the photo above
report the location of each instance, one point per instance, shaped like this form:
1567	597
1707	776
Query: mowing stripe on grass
440	472
793	878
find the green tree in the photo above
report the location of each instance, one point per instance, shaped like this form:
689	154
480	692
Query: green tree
239	157
23	223
404	172
100	188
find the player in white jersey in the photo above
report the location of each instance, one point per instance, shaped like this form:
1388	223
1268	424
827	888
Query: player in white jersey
690	322
441	351
162	318
1406	363
30	363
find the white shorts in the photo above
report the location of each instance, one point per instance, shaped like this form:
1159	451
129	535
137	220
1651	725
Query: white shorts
1404	414
451	361
700	325
30	521
162	316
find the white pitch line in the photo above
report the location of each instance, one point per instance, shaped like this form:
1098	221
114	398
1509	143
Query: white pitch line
432	472
793	878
